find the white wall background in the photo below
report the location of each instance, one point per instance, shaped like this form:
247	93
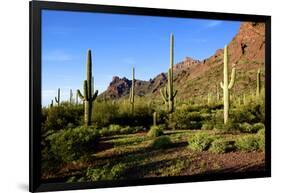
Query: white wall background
14	39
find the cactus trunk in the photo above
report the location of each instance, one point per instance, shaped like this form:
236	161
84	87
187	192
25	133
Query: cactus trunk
209	98
70	96
57	99
154	119
88	97
132	92
258	83
76	98
168	94
218	93
225	86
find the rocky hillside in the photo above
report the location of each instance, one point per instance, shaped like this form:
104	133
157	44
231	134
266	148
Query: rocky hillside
120	87
194	78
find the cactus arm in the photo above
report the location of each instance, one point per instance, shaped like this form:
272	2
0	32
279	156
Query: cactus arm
221	85
163	95
56	99
95	95
232	80
176	92
80	95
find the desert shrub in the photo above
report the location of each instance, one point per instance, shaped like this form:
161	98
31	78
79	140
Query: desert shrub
155	131
161	142
222	146
230	126
258	126
261	139
104	113
246	128
187	120
200	142
261	132
250	113
208	126
60	117
70	144
106	172
248	143
142	114
114	129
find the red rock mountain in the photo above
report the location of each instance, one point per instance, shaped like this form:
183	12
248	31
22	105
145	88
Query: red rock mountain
197	78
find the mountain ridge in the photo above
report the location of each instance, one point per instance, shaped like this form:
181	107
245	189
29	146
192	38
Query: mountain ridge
193	78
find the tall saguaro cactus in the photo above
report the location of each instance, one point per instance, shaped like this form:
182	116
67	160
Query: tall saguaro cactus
155	119
225	86
70	96
168	94
258	83
132	92
76	98
88	97
57	99
218	92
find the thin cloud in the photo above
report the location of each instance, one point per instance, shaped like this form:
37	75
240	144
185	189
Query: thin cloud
212	24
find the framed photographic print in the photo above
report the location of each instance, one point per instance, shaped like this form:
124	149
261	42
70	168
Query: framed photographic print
125	96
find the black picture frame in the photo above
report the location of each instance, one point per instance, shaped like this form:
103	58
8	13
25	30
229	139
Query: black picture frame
36	7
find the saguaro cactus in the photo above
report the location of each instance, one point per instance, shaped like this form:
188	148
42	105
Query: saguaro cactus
258	83
225	86
218	92
76	98
52	103
57	99
132	92
209	98
155	119
88	97
70	96
168	94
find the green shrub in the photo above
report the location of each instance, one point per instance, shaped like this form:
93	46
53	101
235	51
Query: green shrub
230	126
187	120
117	130
222	146
251	113
60	117
106	172
208	126
246	128
261	139
248	143
155	131
104	113
70	144
258	126
161	142
200	142
261	132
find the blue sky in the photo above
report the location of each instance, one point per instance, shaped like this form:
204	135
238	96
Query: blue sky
119	42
